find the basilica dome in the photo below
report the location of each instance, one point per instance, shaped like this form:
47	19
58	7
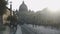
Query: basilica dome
23	7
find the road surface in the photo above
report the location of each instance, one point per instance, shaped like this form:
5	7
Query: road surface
29	29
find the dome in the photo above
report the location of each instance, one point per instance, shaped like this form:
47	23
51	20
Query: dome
23	7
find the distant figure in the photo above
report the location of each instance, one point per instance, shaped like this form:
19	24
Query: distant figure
13	28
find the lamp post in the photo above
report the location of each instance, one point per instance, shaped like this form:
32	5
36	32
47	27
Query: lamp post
11	8
11	26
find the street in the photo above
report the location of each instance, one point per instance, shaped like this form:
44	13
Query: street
28	29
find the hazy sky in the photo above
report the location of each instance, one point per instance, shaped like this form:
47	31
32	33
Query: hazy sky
37	4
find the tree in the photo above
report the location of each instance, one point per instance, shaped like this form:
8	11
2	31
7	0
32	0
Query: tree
3	4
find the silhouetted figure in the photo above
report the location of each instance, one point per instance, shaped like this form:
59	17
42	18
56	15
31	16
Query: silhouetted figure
13	24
